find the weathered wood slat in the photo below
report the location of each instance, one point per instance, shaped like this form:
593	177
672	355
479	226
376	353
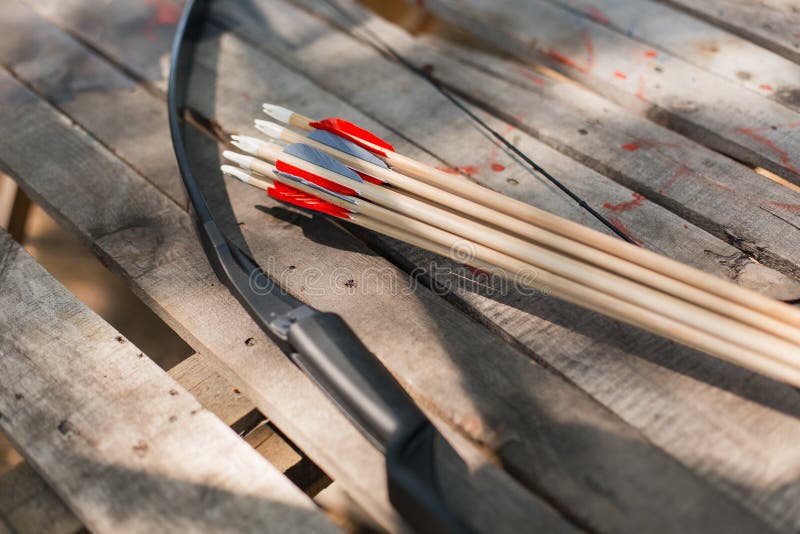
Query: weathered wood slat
29	506
425	117
276	79
719	195
58	69
252	224
700	105
215	393
151	242
770	23
699	43
123	444
719	260
725	423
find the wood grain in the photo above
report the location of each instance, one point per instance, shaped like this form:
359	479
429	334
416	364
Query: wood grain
149	240
770	23
700	43
719	195
123	444
215	393
29	505
362	78
708	395
704	107
286	86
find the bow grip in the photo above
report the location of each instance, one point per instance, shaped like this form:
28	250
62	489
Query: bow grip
331	354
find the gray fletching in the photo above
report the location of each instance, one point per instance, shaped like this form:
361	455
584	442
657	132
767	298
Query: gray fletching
316	187
346	146
321	159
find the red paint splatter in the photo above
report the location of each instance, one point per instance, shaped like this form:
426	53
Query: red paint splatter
651	54
646	143
166	13
783	205
782	154
597	15
640	88
492	160
720	185
621	227
469	170
680	172
531	76
765	87
620	75
685	226
587	65
638	200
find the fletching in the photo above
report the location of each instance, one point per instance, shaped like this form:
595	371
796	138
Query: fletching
316	187
356	134
321	159
301	199
348	147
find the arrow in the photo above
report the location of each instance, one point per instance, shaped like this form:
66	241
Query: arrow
524	212
333	177
369	168
301	192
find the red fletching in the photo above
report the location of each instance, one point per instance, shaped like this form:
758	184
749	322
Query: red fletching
290	195
368	178
356	134
315	178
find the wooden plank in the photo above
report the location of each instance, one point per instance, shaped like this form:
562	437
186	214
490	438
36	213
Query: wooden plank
65	76
215	393
718	261
636	398
123	444
150	241
770	23
269	444
8	192
699	43
640	402
280	81
702	106
719	195
248	223
425	116
28	505
707	189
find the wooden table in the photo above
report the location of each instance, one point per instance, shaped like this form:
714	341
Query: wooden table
680	131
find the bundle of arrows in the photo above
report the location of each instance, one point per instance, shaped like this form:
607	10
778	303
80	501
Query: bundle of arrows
343	171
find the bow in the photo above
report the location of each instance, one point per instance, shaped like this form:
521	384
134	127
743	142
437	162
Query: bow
321	344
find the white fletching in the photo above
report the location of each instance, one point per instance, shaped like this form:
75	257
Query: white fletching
270	128
248	144
240	159
236	172
277	112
